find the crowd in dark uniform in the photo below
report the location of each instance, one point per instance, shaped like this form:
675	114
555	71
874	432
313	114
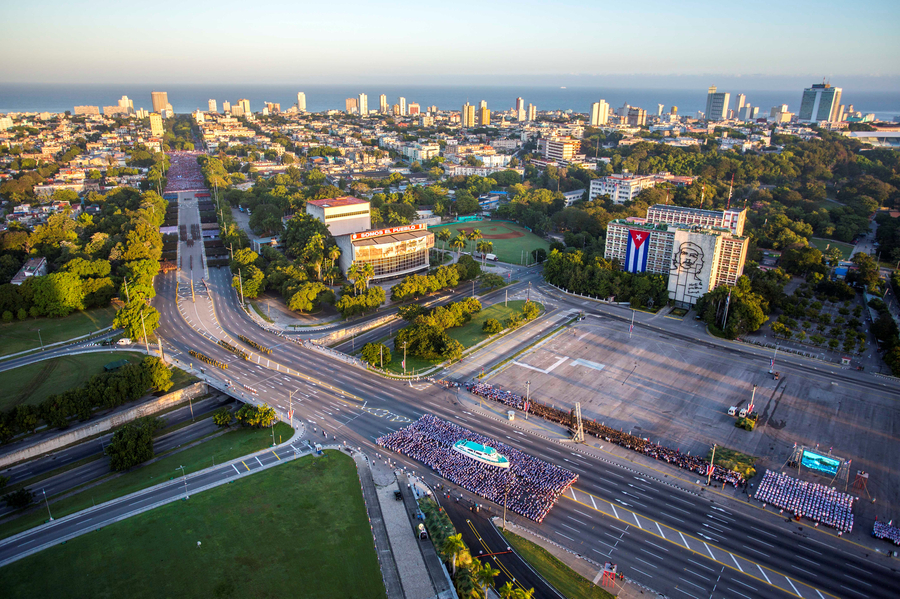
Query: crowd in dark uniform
623	439
887	531
528	487
815	501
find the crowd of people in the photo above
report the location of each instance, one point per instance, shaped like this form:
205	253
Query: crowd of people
184	172
887	531
675	457
821	504
529	486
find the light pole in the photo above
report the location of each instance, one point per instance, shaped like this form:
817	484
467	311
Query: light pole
184	478
273	433
527	397
41	339
48	504
404	358
711	462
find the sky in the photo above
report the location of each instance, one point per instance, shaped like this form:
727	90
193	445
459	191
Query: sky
483	41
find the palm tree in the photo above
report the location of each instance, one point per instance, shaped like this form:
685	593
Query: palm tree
484	576
452	547
474	234
444	236
507	591
458	243
334	252
353	275
484	248
465	584
368	273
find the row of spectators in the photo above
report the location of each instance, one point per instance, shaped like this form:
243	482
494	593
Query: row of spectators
592	427
529	486
184	172
821	504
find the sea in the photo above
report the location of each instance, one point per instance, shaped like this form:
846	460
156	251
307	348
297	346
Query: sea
19	97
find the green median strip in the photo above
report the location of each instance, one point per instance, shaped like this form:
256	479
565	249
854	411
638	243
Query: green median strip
563	578
220	449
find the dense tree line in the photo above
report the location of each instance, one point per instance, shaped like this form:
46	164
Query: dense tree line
587	274
426	335
106	390
91	259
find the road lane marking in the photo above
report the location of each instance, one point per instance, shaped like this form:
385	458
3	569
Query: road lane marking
736	593
764	574
260	463
689	582
569	527
657	546
710	552
562	535
701	565
235	468
614	511
638	521
593	502
683	540
648	563
734	559
660	530
793	587
857	580
245	465
757	551
644	573
672	517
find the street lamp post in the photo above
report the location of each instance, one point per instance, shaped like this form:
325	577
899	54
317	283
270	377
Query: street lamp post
48	504
41	339
184	478
527	397
711	462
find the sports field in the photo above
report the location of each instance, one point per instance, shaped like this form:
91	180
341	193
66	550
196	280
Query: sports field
509	239
823	244
296	530
34	383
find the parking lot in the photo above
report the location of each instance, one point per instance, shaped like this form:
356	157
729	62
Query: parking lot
678	394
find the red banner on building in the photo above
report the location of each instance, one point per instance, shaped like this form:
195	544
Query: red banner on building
390	231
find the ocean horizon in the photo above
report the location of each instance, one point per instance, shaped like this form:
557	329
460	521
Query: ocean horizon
185	98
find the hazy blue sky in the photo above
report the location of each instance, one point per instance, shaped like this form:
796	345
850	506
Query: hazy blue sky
277	41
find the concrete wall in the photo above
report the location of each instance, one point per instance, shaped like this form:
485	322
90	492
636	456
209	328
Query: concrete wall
84	431
348	332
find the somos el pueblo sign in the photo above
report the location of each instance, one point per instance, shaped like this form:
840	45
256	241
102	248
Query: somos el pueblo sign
391	231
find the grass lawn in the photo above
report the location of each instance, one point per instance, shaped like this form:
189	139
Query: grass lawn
734	460
565	580
296	530
821	244
33	383
223	448
507	250
22	335
470	333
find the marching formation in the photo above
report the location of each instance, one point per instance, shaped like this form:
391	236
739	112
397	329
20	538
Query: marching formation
626	440
886	531
817	502
528	487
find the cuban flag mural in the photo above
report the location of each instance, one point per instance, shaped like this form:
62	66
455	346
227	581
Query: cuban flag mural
637	250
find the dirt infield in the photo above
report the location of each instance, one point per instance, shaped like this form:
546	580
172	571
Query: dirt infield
513	235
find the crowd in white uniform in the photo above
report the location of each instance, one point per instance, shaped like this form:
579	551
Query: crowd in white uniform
887	531
817	502
528	487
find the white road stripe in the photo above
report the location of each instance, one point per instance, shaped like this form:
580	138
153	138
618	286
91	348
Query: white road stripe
736	562
710	552
614	510
660	531
764	573
792	586
648	563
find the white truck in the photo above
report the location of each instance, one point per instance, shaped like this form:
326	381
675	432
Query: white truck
492	257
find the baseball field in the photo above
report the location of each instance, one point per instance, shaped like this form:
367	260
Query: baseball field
510	240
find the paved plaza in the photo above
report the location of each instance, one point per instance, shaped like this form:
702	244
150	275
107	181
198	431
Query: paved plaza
678	394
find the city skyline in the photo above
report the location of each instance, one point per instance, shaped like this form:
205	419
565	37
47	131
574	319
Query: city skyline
665	47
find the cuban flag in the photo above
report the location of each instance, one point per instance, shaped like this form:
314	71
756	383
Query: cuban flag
637	250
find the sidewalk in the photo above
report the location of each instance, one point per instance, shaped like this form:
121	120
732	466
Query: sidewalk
584	566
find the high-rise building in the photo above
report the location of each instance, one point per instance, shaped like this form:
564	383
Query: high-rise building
467	117
245	106
482	104
674	111
402	103
732	219
414	108
382	104
741	100
778	109
821	102
301	101
599	113
697	259
532	112
160	101
352	105
637	117
226	107
156	125
555	148
86	110
363	104
212	106
484	115
520	109
717	105
659	109
126	105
